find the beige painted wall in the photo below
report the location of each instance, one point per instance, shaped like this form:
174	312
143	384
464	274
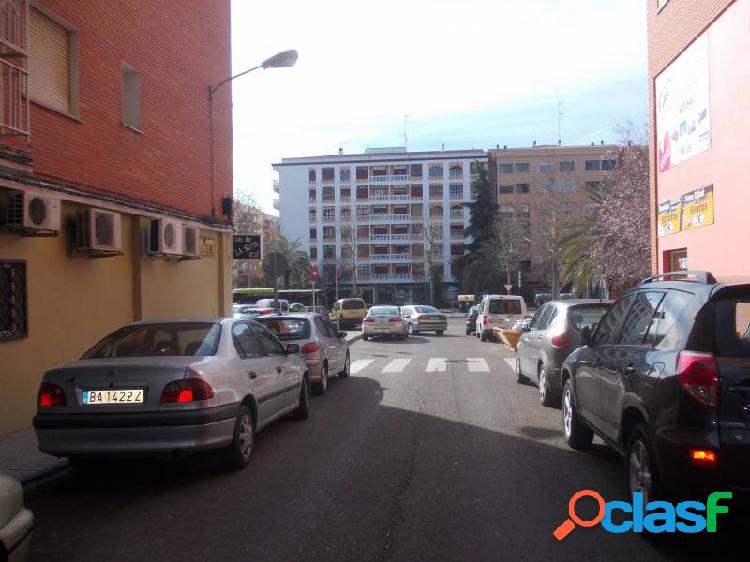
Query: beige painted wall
74	302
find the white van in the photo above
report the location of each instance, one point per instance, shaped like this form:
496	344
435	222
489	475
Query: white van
268	303
499	311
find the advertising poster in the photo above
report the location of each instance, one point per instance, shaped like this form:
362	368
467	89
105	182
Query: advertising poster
669	218
698	208
683	119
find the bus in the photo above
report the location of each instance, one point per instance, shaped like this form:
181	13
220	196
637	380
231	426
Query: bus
251	295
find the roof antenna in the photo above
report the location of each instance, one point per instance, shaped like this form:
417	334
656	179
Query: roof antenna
406	137
559	122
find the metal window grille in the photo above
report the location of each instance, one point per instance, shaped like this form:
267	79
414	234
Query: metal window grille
13	317
14	99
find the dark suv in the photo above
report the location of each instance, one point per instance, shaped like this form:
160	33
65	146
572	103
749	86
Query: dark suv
665	380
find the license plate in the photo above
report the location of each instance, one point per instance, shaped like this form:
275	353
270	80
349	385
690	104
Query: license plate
91	397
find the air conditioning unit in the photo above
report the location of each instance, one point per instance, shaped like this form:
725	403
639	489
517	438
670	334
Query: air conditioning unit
165	238
98	232
190	242
32	214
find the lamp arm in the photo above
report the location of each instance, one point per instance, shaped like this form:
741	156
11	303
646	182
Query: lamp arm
212	89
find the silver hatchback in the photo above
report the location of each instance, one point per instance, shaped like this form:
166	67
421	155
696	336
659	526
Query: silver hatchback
324	349
172	386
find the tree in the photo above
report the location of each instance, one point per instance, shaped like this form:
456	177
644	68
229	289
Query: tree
350	252
433	234
299	262
612	244
511	243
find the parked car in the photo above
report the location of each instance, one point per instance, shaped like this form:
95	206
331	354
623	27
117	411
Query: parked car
250	311
552	334
423	318
349	312
471	320
383	321
522	325
271	303
665	380
498	311
322	346
296	307
168	386
16	522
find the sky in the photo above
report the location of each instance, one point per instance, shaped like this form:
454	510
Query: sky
467	73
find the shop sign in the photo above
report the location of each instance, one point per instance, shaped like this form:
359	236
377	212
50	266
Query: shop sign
670	217
698	208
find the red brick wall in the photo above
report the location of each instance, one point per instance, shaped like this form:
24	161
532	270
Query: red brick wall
670	32
180	47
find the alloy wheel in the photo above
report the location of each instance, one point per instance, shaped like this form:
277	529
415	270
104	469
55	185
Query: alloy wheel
567	413
246	437
639	471
543	384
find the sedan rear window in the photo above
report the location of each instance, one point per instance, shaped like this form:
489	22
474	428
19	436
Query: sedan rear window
288	328
383	311
427	309
505	306
580	316
353	305
159	340
733	327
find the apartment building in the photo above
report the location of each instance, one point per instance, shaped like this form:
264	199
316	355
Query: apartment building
699	80
539	189
380	224
107	209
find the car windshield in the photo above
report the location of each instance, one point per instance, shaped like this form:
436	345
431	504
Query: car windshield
383	311
581	316
426	309
288	328
505	306
157	340
352	305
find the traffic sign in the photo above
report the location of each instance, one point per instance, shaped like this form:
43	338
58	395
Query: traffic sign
508	288
275	265
313	272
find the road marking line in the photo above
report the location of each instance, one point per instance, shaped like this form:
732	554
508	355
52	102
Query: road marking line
436	365
396	366
511	363
358	365
477	365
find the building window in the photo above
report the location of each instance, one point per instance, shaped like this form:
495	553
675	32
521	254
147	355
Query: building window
593	165
329	252
328	194
399	171
416	170
505	188
547	167
521	168
457	192
362	192
505	168
329	213
609	164
345	174
457	249
456	172
436	171
313	253
568	186
522	188
311	174
312	196
363	211
328	174
567	207
362	173
131	96
346	194
436	191
53	64
568	166
524	210
13	319
312	215
593	185
506	209
329	233
545	188
378	171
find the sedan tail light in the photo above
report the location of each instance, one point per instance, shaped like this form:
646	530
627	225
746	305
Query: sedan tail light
50	395
561	340
368	321
699	376
186	390
394	320
310	347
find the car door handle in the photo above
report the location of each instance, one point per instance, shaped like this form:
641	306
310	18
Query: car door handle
278	369
629	370
252	375
741	388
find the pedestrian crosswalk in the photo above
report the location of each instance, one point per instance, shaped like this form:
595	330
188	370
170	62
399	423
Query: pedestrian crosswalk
427	365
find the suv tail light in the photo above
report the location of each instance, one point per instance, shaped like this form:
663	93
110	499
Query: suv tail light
561	340
394	320
186	390
50	395
485	320
699	376
310	347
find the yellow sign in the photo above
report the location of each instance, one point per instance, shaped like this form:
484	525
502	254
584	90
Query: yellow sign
669	218
208	247
698	208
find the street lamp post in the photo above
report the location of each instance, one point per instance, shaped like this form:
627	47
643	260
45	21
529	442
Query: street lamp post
279	60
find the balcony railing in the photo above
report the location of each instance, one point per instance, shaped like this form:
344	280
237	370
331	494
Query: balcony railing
14	99
395	237
329	219
386	218
380	258
457	235
389	277
389	179
394	198
454	215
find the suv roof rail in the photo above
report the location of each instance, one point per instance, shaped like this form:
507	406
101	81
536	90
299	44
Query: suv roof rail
705	277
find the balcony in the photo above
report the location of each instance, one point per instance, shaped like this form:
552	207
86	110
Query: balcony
389	277
456	216
14	99
388	258
390	179
329	219
390	218
457	235
395	237
395	198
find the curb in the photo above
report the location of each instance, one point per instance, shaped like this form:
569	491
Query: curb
43	476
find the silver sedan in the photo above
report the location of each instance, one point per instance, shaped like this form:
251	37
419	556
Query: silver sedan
383	321
172	386
423	318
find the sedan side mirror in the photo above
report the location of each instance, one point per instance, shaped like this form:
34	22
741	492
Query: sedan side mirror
342	334
292	348
586	338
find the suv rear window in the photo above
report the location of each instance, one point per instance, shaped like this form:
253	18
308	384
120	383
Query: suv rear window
733	327
505	306
353	305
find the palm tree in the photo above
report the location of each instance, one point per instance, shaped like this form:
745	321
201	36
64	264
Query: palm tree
298	260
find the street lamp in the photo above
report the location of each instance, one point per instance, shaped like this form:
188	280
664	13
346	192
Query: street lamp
279	60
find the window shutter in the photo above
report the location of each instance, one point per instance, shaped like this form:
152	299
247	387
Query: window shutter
49	62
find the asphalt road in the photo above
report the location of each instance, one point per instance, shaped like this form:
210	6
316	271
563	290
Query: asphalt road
411	458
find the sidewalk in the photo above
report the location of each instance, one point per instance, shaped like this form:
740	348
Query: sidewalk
20	458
